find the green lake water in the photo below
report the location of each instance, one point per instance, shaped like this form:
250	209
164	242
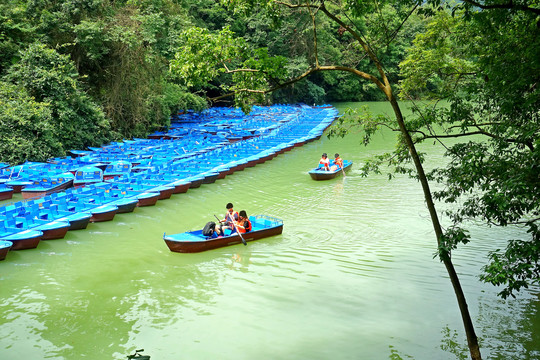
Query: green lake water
351	277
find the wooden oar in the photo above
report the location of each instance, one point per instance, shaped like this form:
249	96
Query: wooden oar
238	232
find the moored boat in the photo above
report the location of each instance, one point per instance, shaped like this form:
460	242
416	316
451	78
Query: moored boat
26	239
53	230
194	241
87	175
48	185
103	213
143	194
116	168
321	174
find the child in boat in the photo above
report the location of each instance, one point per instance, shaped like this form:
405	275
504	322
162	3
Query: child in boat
243	225
338	163
228	222
324	163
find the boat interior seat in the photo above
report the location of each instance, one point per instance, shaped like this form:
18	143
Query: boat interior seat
7	230
10	213
13	223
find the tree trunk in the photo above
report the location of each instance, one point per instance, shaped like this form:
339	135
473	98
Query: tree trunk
472	340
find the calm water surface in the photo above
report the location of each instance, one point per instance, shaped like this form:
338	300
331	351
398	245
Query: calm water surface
351	277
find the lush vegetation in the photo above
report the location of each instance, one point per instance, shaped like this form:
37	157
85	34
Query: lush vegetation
96	70
116	57
486	65
80	73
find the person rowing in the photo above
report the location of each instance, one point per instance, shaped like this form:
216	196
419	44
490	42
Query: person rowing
228	222
338	163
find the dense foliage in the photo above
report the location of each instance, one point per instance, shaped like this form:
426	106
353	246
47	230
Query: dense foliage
486	66
113	77
121	53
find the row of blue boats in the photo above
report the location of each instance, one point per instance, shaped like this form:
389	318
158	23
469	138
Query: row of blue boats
95	184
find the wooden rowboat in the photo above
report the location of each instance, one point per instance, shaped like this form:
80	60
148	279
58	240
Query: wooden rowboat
319	174
194	241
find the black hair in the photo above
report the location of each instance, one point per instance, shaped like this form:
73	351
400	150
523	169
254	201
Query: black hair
324	155
243	213
337	155
229	206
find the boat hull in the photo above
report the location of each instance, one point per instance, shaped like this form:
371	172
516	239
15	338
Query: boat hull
79	224
6	194
165	193
204	245
28	239
328	175
17	186
148	199
181	188
103	213
4	248
54	230
126	207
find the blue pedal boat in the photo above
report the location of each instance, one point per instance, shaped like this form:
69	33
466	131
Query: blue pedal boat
21	239
87	175
143	194
48	185
320	174
116	168
25	216
51	229
48	210
125	202
101	211
194	241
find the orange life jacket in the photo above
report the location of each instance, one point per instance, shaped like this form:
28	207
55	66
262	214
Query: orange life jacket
338	162
244	228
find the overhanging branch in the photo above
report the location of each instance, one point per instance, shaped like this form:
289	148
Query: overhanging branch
302	76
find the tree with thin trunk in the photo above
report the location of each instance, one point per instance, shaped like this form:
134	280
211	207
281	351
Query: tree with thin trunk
204	56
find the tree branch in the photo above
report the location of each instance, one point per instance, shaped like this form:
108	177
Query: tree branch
302	76
241	70
383	85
